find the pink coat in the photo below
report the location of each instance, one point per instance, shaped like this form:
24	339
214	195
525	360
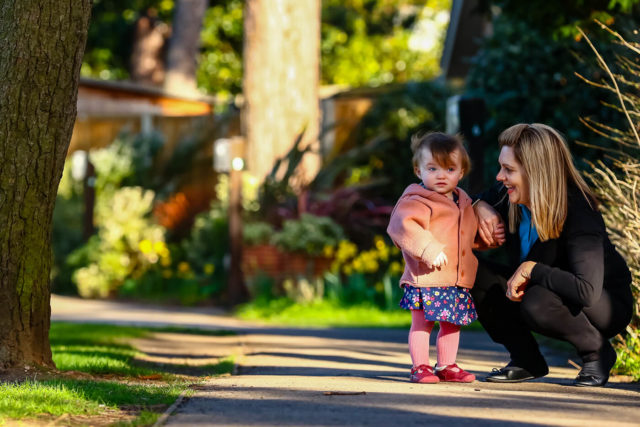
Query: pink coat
422	224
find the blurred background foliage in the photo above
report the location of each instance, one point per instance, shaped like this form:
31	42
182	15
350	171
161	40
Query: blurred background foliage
395	41
526	70
532	67
111	33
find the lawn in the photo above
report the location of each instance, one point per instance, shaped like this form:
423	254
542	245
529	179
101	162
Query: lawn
326	313
100	382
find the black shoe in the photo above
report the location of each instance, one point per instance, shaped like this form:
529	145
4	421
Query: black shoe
514	374
596	372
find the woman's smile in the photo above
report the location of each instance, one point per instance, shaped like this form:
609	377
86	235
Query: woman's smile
512	176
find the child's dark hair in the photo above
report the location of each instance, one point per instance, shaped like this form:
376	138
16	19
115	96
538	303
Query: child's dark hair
441	146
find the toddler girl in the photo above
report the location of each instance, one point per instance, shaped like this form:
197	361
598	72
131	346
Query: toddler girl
434	225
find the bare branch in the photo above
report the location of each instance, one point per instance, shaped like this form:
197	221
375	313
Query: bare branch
613	80
631	46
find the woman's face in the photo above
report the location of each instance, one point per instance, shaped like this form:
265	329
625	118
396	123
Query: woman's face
512	175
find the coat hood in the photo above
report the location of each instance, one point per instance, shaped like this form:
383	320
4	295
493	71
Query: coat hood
419	190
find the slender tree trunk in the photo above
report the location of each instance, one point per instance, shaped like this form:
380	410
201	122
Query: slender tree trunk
147	56
42	45
281	73
183	47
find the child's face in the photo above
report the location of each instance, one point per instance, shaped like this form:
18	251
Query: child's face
438	178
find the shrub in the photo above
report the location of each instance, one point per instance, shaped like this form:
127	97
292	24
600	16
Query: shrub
526	73
257	233
126	245
207	247
67	232
367	275
310	234
617	183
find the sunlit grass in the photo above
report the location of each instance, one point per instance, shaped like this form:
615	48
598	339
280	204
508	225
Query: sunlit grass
96	349
103	349
326	313
100	349
32	398
87	397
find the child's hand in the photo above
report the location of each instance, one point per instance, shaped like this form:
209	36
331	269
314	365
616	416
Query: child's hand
441	260
498	234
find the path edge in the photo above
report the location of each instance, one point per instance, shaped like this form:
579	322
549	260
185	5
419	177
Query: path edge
165	415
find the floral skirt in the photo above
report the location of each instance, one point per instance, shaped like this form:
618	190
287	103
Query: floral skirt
451	304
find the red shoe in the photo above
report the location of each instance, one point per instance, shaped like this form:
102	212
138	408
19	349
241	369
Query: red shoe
453	373
423	374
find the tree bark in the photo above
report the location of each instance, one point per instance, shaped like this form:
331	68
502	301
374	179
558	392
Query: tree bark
42	45
183	47
281	60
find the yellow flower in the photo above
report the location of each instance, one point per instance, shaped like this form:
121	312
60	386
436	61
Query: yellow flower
346	250
379	242
327	251
167	274
383	253
161	248
396	267
165	261
347	269
372	266
183	267
428	302
335	266
145	246
209	268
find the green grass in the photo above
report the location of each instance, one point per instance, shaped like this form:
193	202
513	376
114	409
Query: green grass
99	349
102	349
96	349
326	313
74	397
32	398
224	366
145	418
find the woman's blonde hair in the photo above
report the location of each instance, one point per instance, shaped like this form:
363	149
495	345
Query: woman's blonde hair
548	168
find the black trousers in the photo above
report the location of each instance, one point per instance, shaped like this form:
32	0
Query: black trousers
543	311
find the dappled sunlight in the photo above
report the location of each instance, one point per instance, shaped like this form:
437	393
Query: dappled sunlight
386	402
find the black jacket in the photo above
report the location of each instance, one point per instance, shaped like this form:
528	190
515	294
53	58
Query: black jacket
578	264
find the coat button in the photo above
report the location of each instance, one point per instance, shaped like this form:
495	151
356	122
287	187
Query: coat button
462	274
463	252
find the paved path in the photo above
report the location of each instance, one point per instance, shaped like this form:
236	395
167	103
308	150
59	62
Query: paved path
318	377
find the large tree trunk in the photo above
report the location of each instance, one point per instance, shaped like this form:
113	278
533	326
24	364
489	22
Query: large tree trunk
42	46
183	47
281	72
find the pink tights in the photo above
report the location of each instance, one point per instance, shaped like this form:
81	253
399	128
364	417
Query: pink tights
446	342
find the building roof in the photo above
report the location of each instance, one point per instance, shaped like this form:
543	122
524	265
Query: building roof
102	98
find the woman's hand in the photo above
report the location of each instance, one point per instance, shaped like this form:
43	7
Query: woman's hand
519	281
490	225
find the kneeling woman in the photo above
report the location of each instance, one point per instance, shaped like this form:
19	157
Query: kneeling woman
565	279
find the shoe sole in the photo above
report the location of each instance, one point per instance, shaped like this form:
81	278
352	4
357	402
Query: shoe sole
500	380
423	381
611	357
459	381
590	385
